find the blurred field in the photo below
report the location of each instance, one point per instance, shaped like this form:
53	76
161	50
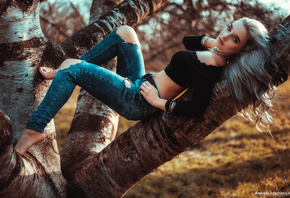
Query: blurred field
236	160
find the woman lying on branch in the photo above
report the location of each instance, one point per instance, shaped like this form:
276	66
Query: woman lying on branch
241	53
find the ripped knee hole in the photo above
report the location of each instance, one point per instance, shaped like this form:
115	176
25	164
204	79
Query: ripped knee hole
127	83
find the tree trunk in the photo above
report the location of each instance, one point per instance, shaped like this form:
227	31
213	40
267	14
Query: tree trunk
23	48
95	124
37	174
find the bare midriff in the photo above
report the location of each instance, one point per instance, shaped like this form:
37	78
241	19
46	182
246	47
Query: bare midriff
168	89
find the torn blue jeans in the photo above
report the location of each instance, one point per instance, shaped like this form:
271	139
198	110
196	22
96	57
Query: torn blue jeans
120	90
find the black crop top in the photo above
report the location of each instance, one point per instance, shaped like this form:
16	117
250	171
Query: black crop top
186	70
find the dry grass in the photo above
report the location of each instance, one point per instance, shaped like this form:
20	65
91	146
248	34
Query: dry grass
236	160
64	118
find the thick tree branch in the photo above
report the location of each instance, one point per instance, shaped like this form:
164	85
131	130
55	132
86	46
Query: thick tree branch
101	7
6	152
22	176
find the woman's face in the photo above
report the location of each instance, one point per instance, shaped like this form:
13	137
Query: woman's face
232	38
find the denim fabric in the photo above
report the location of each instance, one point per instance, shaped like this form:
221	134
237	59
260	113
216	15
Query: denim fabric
120	91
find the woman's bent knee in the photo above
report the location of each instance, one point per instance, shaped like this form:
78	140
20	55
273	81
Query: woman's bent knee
70	61
128	34
67	62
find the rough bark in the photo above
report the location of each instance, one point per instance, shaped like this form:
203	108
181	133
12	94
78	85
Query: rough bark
23	48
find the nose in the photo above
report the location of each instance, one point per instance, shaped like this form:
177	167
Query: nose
226	36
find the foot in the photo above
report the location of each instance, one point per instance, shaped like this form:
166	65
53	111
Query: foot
28	138
47	73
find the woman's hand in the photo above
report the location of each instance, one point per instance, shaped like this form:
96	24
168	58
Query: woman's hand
210	43
150	93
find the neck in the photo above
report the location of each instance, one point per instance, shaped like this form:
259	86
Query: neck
219	53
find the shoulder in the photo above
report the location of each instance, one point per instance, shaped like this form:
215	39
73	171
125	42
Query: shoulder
209	58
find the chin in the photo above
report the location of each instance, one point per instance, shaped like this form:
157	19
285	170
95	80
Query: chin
220	47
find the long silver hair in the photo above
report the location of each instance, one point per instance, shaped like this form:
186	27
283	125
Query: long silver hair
250	74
